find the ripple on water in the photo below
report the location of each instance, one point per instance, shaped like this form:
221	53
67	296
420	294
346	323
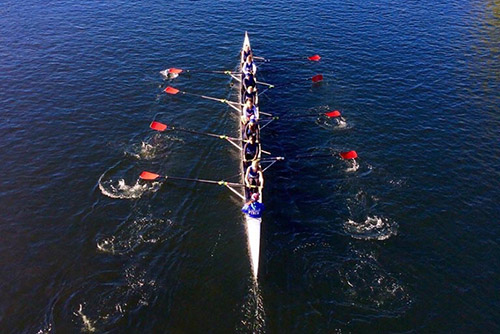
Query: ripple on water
368	286
130	236
100	305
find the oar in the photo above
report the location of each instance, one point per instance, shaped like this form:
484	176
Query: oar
330	114
348	155
265	60
157	126
148	176
174	91
315	79
174	70
162	127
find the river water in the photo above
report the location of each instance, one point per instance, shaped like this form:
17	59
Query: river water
404	241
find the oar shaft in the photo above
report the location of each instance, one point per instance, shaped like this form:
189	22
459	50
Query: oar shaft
203	133
314	156
222	183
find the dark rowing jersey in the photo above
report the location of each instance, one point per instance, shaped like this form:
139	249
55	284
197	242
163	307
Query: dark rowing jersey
248	80
251	133
251	151
253	210
246	54
250	96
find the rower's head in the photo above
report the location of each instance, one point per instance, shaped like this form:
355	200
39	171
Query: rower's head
249	58
252	140
249	102
255	164
250	89
255	197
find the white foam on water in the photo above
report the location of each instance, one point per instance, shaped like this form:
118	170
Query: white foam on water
47	329
353	165
121	190
372	228
168	76
88	325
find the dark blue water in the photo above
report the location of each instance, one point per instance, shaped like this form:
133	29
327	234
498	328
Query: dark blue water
405	241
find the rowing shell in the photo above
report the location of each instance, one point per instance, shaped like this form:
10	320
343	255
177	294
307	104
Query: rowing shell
253	225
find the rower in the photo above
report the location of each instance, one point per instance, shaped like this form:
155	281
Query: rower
251	129
251	149
249	66
249	110
253	208
251	93
246	52
248	80
253	177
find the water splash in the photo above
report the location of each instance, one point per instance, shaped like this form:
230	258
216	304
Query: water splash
153	148
167	75
88	325
47	329
372	228
121	190
352	166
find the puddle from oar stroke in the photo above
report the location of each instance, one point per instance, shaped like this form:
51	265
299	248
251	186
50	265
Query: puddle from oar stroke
102	305
130	236
119	189
372	228
156	147
368	286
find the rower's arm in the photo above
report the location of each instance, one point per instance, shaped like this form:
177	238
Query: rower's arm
246	177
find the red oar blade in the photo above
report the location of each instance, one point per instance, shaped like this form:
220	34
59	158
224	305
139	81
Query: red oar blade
158	126
317	78
314	58
348	155
171	90
149	176
333	114
175	70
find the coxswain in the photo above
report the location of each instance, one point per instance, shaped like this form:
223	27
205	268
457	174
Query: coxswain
251	93
249	66
253	208
246	52
253	177
249	110
251	129
251	149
